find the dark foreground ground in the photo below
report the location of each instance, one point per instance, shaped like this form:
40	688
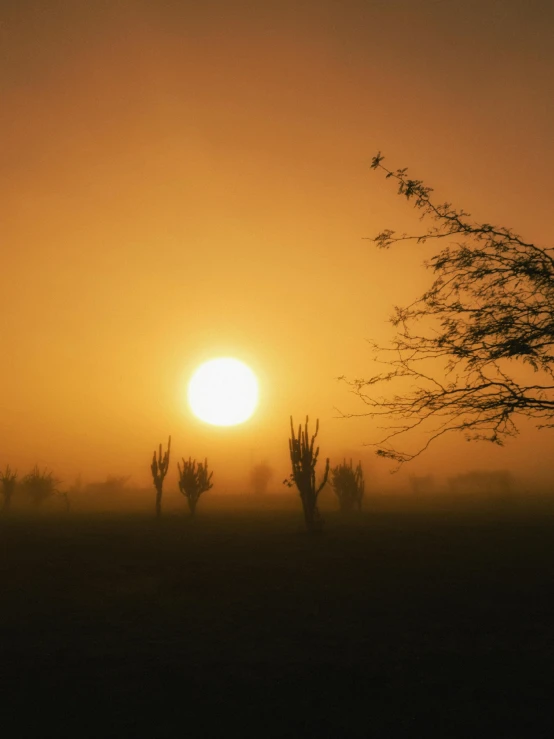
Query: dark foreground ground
237	624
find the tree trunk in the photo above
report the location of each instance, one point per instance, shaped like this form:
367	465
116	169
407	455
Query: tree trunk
312	517
158	501
346	504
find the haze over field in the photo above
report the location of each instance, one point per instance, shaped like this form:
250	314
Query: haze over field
192	200
182	181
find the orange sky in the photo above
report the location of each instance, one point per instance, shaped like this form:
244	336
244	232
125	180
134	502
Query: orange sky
185	180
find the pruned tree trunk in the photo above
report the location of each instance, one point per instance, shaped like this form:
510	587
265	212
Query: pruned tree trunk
159	468
303	456
159	493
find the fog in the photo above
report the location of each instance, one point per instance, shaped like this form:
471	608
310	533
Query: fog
190	182
483	481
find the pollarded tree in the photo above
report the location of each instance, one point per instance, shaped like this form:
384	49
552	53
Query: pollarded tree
348	484
303	456
476	350
9	482
193	481
159	468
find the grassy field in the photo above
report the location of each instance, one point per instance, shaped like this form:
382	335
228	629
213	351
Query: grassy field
393	623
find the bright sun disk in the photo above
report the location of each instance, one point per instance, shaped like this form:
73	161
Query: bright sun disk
223	392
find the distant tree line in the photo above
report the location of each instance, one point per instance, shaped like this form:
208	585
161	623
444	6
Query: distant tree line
195	479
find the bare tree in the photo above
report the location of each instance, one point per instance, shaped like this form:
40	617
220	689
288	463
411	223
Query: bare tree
159	468
461	350
193	481
303	457
9	482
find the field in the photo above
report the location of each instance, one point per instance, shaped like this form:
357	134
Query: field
396	622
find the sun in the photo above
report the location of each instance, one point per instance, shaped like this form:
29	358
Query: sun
223	392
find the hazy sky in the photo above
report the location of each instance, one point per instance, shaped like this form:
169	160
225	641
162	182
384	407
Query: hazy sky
181	180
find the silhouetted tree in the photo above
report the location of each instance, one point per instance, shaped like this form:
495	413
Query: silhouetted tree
193	481
422	484
9	482
260	475
159	468
303	457
40	486
484	482
460	348
348	484
112	485
116	483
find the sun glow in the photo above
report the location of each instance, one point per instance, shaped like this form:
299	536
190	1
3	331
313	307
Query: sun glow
223	392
